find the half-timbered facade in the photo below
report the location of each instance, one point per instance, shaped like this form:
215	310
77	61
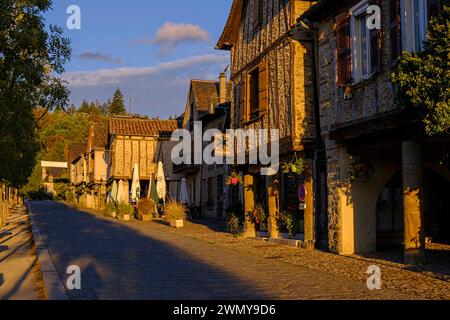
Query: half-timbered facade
272	77
143	142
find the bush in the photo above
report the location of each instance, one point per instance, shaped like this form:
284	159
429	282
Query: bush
146	207
234	224
125	209
175	211
39	195
111	210
291	222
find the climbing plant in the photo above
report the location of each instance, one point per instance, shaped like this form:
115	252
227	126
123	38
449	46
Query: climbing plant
423	78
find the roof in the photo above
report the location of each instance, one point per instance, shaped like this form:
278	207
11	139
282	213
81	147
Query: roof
322	9
75	150
99	138
205	92
229	33
141	127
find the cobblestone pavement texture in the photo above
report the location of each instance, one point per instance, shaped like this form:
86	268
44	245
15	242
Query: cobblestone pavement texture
140	260
20	276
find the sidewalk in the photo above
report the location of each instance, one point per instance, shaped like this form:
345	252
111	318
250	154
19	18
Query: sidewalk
20	276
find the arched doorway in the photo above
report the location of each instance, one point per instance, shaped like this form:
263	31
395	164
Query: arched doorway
390	225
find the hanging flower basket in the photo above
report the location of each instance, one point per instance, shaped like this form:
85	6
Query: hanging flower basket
360	170
294	167
234	179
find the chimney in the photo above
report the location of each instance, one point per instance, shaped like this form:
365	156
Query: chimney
223	88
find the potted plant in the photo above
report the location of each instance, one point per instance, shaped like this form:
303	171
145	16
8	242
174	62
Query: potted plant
234	179
175	213
146	210
111	210
294	167
290	222
361	169
125	211
235	216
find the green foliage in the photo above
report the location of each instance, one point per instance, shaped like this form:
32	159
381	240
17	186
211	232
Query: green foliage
423	78
360	170
39	195
117	106
111	210
31	59
124	209
234	224
58	131
261	214
291	222
294	167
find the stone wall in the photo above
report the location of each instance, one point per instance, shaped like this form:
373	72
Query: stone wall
371	97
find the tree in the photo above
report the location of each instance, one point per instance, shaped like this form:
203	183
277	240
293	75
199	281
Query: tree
423	78
31	61
117	105
84	108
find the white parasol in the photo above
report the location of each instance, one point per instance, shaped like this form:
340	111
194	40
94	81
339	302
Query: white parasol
135	185
161	186
184	195
120	195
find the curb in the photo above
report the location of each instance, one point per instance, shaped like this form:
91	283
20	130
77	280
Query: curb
54	286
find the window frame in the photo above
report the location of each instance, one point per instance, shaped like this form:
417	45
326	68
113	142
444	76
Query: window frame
408	24
355	50
253	112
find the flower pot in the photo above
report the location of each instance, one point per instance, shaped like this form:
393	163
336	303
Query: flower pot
146	217
177	223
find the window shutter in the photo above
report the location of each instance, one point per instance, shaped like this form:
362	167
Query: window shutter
342	32
375	50
242	101
263	88
395	28
433	8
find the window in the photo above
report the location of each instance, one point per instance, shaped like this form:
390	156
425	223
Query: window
253	81
360	42
414	23
253	94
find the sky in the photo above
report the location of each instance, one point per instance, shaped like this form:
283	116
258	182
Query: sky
148	49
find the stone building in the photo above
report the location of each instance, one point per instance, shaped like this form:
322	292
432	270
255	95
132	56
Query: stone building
143	142
79	174
401	196
272	80
97	163
208	104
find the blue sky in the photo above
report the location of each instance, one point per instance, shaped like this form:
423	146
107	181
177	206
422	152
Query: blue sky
148	49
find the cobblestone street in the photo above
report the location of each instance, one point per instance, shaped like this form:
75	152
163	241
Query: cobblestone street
151	261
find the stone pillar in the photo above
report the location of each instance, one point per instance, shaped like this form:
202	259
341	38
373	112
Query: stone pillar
249	206
274	206
309	242
414	236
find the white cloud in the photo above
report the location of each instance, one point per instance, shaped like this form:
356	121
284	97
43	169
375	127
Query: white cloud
114	76
170	35
161	89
